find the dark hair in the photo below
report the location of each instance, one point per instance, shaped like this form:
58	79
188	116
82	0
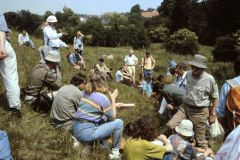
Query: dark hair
148	53
182	65
78	79
237	65
144	127
101	59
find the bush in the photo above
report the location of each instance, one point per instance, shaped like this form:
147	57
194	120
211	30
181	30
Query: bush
183	41
227	47
159	34
224	49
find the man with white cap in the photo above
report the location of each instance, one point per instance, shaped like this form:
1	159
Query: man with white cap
41	81
200	99
182	148
51	37
78	43
8	69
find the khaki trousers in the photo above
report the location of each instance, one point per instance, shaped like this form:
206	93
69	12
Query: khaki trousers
131	70
198	116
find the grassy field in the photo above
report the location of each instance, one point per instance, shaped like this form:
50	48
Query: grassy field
33	138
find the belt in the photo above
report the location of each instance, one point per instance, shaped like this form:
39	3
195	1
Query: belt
130	65
84	121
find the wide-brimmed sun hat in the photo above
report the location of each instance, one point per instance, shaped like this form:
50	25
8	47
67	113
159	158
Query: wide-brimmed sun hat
53	56
185	128
198	61
131	51
52	19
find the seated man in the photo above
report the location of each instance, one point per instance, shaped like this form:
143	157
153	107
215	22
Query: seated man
76	60
103	69
23	39
65	103
122	77
41	81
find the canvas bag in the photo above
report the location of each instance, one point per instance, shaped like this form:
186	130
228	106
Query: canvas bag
5	151
233	102
216	129
230	149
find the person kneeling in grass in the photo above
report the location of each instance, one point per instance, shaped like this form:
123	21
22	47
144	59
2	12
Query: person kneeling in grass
183	149
139	145
76	60
96	116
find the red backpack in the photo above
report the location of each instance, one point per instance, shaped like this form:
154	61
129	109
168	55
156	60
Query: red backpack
233	103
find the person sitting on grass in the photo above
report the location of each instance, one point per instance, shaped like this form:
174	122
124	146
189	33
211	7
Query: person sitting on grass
76	60
96	116
147	86
183	148
66	101
24	40
42	82
102	68
121	77
139	146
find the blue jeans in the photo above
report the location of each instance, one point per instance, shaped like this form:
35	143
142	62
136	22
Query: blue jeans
8	70
90	132
147	73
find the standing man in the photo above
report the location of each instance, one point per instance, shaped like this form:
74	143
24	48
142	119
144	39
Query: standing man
8	70
148	63
200	99
130	62
223	113
23	39
78	43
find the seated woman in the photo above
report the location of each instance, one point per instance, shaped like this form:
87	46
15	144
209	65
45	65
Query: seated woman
121	77
139	145
96	116
182	147
76	60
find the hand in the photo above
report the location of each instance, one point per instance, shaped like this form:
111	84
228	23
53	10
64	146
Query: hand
170	107
2	53
118	105
114	94
162	138
212	118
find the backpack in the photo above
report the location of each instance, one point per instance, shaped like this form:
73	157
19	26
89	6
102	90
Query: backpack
233	103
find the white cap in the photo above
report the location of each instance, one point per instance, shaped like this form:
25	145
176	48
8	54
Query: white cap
52	19
185	128
53	56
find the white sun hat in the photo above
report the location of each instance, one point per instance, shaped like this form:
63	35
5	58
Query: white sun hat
52	19
53	56
185	128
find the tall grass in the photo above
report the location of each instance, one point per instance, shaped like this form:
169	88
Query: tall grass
33	138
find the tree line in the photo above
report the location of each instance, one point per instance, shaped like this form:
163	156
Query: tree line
210	20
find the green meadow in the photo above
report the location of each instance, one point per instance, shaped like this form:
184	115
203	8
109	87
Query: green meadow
33	138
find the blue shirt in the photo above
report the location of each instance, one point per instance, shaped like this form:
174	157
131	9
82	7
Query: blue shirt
221	109
118	76
78	43
147	88
73	58
3	24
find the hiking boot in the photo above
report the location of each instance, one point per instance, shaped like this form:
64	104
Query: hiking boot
16	112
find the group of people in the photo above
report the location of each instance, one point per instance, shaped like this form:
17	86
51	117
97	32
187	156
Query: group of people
89	111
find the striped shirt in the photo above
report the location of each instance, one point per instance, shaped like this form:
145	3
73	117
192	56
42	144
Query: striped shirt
93	107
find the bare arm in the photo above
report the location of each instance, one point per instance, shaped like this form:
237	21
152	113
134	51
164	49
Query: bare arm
2	45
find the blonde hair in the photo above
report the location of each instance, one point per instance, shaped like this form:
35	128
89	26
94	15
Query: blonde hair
96	84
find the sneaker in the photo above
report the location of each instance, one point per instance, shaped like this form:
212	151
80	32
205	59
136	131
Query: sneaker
15	112
76	143
115	157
